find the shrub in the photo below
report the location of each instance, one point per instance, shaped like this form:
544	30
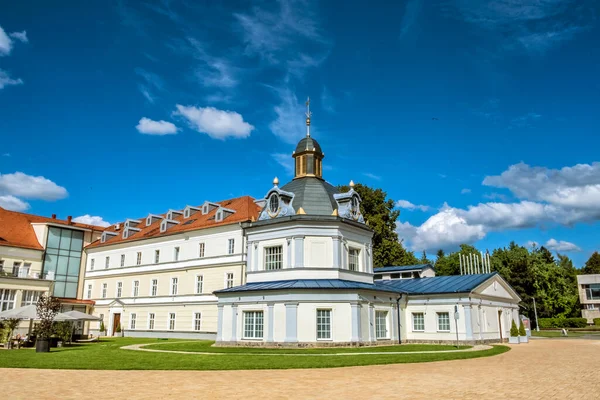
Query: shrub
102	328
47	308
522	329
514	332
547	323
118	328
63	330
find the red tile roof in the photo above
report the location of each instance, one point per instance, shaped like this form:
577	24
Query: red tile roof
245	210
16	229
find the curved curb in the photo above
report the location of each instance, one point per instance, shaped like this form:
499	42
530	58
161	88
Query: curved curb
140	347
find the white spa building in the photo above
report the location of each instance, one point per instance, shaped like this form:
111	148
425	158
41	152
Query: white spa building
292	269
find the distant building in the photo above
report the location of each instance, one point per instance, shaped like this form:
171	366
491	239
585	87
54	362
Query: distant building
43	255
404	272
589	296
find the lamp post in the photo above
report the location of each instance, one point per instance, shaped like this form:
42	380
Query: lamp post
537	326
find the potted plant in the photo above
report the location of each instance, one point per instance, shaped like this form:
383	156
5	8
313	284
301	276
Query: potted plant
47	307
10	325
514	334
62	330
118	330
102	328
522	334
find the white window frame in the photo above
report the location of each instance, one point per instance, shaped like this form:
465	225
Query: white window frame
439	327
273	259
152	294
156	256
230	246
135	290
106	262
90	290
330	324
138	260
27	300
122	260
119	290
176	251
199	284
196	322
92	262
151	321
254	327
132	320
8	299
413	316
174	285
386	329
201	249
104	290
357	257
174	320
227	280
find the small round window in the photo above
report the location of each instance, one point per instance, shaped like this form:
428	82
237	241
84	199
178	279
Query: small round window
273	206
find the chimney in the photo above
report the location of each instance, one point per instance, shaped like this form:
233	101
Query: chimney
53	216
69	218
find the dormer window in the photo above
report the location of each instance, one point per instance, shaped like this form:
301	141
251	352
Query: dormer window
223	213
172	214
188	211
166	224
152	218
274	205
107	235
355	207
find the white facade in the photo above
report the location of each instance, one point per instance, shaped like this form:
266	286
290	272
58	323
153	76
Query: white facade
142	284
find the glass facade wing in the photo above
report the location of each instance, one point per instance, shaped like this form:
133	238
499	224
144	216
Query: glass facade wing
63	257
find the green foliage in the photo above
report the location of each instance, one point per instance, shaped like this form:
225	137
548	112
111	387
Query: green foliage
592	265
597	321
514	331
380	214
11	324
118	328
522	329
63	330
47	308
547	323
102	328
4	335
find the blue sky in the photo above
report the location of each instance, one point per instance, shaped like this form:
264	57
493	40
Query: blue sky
481	119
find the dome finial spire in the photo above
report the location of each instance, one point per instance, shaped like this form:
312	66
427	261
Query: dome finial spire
308	114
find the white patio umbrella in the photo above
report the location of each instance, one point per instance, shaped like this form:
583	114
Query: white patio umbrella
81	316
30	312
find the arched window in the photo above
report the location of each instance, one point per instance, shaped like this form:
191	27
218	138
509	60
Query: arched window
273	206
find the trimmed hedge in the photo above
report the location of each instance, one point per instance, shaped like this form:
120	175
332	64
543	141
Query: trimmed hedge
546	323
597	321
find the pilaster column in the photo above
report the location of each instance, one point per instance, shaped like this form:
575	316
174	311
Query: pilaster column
468	323
288	263
270	318
255	256
355	310
249	257
234	319
371	322
291	322
299	251
394	327
219	322
336	252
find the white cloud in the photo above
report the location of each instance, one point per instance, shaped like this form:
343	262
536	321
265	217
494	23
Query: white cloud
91	220
275	35
290	124
150	127
411	13
407	205
286	161
218	124
20	36
327	100
212	71
5	43
576	188
31	187
465	191
12	203
6	80
372	176
560	245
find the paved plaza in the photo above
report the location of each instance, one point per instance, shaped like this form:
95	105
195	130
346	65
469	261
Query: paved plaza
542	369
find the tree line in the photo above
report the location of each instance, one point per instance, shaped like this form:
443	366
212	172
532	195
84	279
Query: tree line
532	272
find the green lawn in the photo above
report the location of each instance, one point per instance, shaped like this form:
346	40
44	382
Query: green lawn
108	355
552	334
206	347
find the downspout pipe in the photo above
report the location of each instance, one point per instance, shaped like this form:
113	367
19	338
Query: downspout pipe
398	318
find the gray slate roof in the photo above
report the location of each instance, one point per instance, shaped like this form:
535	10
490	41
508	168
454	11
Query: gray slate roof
433	285
400	268
308	144
437	284
314	195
